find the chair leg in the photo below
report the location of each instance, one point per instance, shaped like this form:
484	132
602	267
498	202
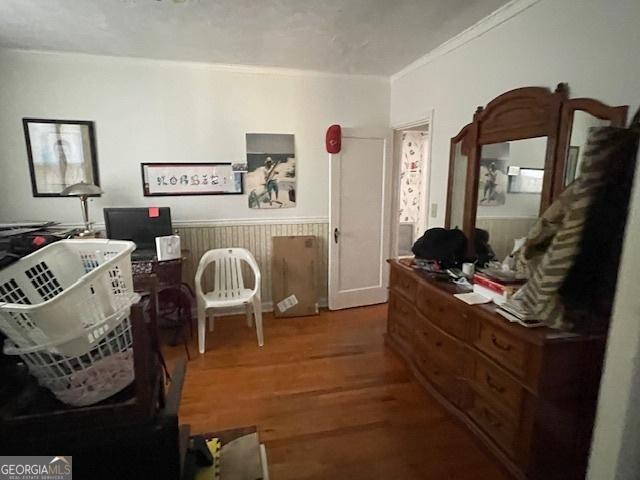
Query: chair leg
185	317
201	328
257	311
247	308
212	322
185	340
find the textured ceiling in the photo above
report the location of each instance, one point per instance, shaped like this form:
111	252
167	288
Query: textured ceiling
343	36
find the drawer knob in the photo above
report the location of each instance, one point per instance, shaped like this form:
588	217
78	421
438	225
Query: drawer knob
438	344
494	340
492	385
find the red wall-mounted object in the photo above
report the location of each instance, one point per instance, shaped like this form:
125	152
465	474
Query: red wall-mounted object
334	139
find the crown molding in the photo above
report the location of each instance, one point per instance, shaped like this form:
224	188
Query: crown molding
215	67
491	21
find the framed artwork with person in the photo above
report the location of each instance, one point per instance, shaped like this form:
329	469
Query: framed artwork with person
60	153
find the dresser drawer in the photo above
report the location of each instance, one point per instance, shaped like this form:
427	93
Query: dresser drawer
501	429
507	350
444	310
498	387
404	283
453	388
400	307
446	350
401	333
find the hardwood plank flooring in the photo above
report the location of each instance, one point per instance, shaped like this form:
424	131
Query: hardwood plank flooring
329	399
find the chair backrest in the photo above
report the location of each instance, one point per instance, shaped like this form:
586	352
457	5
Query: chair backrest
228	269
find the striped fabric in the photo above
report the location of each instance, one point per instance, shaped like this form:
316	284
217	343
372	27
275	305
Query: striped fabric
553	243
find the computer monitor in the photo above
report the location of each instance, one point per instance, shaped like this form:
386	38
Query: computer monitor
140	225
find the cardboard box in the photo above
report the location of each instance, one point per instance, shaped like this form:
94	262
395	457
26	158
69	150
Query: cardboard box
294	272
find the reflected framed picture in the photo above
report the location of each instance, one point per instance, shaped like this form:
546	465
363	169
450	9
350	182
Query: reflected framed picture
572	165
60	153
528	180
492	182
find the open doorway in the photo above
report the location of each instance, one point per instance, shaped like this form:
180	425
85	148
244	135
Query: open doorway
412	147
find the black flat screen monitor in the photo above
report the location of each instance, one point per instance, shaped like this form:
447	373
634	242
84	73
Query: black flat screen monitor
140	225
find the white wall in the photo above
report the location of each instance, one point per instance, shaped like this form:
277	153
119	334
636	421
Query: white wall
155	111
591	44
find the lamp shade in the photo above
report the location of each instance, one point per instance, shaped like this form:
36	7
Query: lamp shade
81	189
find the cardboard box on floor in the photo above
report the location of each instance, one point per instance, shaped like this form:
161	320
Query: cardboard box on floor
294	287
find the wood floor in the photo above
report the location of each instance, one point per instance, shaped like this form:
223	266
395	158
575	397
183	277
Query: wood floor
330	401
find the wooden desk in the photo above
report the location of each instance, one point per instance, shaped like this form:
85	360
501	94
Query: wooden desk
171	291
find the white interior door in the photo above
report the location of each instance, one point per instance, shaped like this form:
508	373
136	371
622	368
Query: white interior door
360	219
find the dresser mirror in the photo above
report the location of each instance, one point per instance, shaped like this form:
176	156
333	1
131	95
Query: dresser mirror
578	116
517	155
510	190
458	165
582	122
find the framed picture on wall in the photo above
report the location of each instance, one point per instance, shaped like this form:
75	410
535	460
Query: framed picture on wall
271	170
60	153
175	179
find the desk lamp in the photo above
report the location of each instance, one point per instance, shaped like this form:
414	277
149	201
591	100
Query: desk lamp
82	191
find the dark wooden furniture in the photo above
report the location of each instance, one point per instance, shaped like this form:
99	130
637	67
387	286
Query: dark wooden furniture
518	114
134	434
529	395
174	297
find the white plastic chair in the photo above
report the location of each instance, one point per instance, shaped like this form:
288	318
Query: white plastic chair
228	289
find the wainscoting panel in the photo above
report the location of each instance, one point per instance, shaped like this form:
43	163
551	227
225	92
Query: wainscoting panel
503	231
256	238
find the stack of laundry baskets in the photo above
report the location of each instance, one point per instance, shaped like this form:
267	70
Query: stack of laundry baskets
65	310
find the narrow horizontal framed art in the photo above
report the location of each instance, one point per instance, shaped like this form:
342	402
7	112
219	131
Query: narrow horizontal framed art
177	179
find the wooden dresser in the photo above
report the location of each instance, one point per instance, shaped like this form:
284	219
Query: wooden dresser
529	395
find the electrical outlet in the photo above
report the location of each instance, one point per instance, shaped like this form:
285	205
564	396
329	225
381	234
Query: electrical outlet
434	210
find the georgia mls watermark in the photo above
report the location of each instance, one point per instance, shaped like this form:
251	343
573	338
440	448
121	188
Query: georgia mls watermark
35	468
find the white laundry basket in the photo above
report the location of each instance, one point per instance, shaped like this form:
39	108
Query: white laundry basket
104	370
67	296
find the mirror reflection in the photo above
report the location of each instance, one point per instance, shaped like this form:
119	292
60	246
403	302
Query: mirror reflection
458	186
582	122
509	193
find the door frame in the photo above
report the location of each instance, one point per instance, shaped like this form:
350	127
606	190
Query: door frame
334	213
426	121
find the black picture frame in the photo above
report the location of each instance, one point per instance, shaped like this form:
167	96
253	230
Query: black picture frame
147	193
573	154
31	152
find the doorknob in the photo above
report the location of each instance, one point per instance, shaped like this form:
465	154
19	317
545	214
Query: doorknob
336	235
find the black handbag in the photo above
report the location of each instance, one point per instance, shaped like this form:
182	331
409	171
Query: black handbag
446	246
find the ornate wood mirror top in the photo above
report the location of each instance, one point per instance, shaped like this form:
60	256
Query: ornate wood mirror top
514	159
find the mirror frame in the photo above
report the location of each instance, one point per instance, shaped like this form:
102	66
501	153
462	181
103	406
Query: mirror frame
616	115
518	114
462	136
